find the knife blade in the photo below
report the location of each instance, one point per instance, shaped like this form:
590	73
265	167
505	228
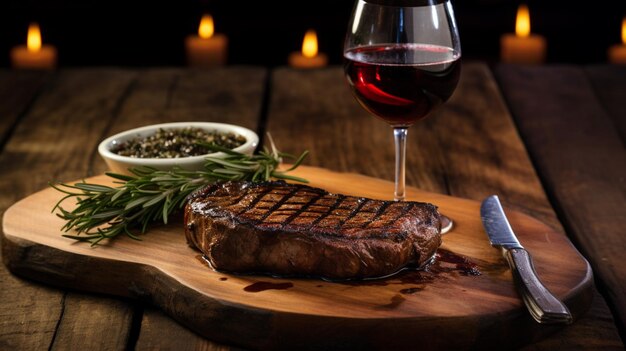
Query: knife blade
543	306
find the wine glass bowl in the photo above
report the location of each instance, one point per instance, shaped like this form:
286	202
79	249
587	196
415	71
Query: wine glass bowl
402	60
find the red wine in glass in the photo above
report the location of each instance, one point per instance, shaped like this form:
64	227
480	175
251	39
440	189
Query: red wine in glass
402	83
402	61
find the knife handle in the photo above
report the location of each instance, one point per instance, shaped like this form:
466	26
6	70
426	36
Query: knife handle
544	307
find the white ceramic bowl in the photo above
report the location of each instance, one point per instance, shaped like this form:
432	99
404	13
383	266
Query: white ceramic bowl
120	164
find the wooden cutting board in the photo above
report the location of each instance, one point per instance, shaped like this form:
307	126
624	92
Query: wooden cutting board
447	306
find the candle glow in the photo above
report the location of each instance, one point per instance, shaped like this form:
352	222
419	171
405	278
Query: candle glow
309	44
207	49
35	54
624	31
522	47
522	22
33	40
206	28
308	57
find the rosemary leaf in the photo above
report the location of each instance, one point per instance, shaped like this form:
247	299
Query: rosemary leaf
104	212
155	200
137	202
93	187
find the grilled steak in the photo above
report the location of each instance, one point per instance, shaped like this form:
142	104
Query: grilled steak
286	229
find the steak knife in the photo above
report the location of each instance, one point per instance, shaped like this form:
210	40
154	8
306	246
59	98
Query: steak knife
544	307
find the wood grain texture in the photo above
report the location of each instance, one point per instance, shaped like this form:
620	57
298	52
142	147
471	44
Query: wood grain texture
95	103
311	110
228	95
55	139
33	329
587	181
436	314
89	326
29	313
18	89
468	148
160	332
595	331
607	83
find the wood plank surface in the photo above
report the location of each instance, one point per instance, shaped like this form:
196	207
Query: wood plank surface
586	182
432	312
467	148
87	319
55	138
607	82
17	93
160	332
341	136
18	89
228	95
92	106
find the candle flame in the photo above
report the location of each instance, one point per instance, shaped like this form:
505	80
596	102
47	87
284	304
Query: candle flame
522	23
206	29
309	44
33	41
624	30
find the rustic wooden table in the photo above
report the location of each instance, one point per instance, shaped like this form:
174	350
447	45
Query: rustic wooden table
549	140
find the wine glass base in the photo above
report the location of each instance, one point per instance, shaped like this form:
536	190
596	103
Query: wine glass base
446	224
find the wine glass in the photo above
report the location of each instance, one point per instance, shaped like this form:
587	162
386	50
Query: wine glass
402	60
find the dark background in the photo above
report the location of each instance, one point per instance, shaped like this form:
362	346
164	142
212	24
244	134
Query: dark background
151	33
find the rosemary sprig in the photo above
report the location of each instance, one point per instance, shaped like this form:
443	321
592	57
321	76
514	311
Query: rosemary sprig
104	212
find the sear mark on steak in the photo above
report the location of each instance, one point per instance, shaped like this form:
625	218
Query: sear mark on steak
293	229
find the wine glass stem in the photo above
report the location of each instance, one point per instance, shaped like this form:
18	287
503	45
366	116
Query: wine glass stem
399	135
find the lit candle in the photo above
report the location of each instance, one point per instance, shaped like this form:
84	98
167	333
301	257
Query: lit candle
207	49
309	57
523	47
617	53
34	55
